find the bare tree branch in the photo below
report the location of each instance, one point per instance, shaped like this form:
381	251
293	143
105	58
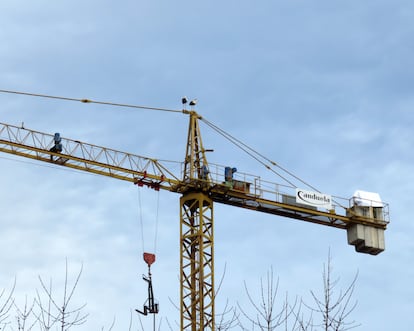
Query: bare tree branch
334	310
169	325
228	319
265	317
66	317
46	321
23	316
112	325
7	304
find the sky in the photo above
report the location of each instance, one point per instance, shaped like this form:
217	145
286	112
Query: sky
324	88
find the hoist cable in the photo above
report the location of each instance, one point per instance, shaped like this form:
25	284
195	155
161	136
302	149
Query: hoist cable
156	223
90	101
142	226
141	221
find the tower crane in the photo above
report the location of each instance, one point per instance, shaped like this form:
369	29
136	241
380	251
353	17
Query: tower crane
200	185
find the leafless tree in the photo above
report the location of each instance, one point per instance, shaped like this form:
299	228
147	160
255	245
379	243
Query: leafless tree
265	316
45	317
228	319
330	311
169	325
113	324
61	314
23	316
6	305
333	308
300	323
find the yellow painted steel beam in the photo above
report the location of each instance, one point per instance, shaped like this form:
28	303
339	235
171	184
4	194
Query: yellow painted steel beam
300	212
197	262
220	193
86	157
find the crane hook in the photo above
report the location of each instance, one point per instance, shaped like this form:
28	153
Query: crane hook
150	307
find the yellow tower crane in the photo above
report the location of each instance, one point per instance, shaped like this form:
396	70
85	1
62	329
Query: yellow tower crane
200	185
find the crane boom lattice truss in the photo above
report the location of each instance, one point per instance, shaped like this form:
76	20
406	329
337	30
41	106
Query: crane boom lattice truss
200	185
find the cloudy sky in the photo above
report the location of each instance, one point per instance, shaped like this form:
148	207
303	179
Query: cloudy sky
325	88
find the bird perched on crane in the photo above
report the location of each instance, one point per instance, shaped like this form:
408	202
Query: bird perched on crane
184	101
193	102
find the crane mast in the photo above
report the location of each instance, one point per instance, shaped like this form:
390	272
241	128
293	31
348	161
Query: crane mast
200	186
196	236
